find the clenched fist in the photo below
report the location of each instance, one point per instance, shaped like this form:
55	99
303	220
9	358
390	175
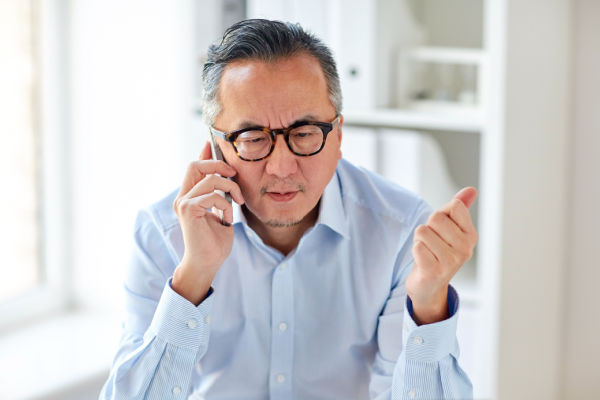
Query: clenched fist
441	247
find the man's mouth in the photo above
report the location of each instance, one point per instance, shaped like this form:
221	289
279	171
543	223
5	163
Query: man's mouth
282	196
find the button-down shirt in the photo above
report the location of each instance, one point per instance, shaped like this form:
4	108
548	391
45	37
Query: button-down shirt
331	320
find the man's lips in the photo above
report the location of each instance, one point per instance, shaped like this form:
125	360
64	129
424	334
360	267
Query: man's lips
282	196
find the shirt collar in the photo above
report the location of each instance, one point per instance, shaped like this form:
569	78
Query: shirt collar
331	209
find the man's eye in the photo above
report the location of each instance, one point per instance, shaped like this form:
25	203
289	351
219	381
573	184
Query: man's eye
255	140
252	138
302	134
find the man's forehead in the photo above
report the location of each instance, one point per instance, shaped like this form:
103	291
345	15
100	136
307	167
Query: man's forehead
275	94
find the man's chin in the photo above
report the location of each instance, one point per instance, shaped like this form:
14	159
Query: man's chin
276	223
273	220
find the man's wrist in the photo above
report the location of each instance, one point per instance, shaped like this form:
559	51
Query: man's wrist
191	285
434	310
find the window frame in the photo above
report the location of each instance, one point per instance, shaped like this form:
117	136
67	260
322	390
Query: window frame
54	293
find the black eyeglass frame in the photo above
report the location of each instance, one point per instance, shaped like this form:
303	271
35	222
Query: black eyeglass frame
326	128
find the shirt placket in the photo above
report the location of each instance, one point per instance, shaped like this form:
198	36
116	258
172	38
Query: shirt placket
282	328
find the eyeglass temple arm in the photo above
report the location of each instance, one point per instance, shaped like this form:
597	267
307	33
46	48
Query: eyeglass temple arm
215	132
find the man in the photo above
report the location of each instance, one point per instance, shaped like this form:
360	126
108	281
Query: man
322	281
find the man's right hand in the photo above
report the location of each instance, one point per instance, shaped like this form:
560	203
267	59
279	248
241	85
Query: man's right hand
207	241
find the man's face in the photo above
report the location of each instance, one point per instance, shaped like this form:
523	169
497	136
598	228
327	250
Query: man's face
284	188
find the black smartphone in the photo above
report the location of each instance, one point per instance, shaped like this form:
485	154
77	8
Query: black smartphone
218	155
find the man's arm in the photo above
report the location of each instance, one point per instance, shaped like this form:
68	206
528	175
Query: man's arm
163	333
417	362
418	353
441	247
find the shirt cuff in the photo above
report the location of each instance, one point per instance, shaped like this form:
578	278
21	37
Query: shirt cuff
431	342
179	322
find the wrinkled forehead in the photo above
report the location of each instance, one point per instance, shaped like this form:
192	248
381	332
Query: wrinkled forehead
275	92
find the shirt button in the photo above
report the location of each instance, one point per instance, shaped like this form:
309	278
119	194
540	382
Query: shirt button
282	326
176	390
283	266
191	323
280	378
207	319
412	393
418	340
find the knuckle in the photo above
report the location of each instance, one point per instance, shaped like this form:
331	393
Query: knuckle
215	197
184	206
438	218
421	230
210	180
418	245
192	166
458	205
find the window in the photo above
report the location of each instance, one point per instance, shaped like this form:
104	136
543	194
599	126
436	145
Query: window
19	143
34	199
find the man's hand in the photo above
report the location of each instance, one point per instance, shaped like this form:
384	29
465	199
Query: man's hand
207	241
440	248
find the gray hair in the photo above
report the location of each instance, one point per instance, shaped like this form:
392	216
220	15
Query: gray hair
265	40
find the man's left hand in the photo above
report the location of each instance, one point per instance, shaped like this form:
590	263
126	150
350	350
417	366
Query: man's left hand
441	247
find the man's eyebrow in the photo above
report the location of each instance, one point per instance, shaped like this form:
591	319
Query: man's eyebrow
247	124
250	124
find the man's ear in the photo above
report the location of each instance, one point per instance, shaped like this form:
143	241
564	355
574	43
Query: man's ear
339	133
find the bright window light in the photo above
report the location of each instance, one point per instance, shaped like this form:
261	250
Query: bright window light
19	161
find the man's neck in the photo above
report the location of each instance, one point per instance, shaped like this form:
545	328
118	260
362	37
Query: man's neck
283	238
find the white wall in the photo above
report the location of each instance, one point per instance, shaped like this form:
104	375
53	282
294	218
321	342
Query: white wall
582	320
534	221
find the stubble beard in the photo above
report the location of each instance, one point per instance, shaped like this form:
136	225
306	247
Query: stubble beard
277	223
273	223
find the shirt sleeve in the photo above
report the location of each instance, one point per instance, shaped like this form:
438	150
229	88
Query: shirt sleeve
163	333
427	367
416	362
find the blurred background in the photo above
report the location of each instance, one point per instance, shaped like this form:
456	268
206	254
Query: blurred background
100	114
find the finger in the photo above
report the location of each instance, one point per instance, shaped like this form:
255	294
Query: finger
199	206
459	213
467	196
446	228
422	255
438	247
197	170
214	182
206	153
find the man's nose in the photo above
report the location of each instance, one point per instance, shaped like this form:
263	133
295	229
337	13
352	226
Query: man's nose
281	162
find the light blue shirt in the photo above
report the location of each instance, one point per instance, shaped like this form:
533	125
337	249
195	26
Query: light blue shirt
326	322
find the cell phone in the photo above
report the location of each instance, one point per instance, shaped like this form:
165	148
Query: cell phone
218	155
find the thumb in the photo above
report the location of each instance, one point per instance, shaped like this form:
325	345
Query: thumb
467	196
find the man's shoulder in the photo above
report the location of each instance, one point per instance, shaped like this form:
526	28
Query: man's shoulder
379	196
161	213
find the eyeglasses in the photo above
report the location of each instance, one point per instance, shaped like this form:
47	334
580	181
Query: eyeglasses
304	138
